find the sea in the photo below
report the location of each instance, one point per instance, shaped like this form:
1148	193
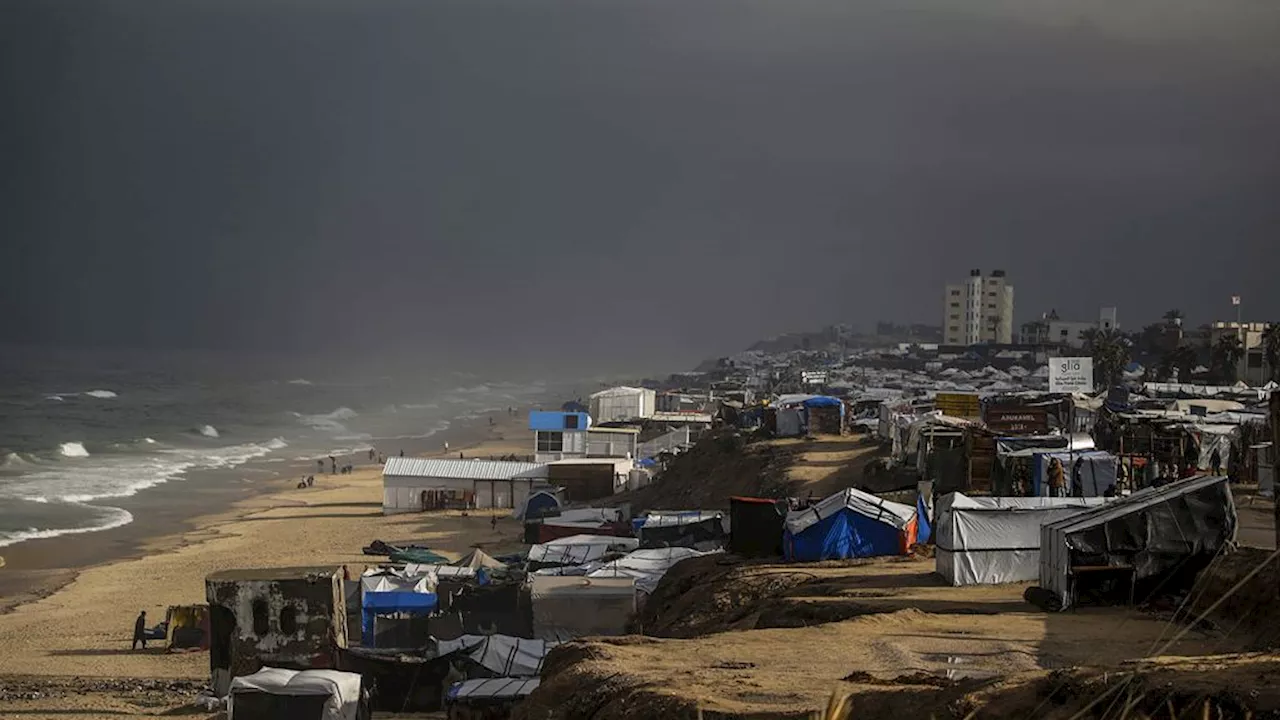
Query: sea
79	429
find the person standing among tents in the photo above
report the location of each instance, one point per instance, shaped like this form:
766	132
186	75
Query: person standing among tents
1215	462
1057	479
140	631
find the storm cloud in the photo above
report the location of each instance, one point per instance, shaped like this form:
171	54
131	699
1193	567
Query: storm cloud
622	181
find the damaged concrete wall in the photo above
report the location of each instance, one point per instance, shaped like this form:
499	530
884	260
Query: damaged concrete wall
295	622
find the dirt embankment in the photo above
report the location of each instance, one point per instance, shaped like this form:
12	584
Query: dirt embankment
722	464
1251	610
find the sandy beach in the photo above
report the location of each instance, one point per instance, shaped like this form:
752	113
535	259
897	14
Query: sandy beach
83	629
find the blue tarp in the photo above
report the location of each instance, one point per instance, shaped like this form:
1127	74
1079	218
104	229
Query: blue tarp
541	504
846	534
924	530
374	604
823	401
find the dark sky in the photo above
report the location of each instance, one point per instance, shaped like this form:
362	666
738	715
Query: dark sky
626	181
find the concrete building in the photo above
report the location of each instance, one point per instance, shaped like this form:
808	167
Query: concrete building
979	310
561	435
621	404
1052	330
1253	369
419	484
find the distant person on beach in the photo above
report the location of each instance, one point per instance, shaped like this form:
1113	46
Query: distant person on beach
371	455
311	480
402	453
320	465
140	631
493	522
446	446
333	463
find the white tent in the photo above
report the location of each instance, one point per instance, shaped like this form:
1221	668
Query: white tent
646	566
991	540
342	689
579	549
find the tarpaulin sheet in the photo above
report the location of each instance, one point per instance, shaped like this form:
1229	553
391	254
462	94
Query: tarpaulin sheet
342	689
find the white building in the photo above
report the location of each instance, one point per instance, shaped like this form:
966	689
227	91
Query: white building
595	442
1052	330
980	310
1252	368
621	404
414	484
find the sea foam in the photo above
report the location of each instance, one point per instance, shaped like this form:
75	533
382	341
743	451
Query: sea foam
209	431
101	394
73	449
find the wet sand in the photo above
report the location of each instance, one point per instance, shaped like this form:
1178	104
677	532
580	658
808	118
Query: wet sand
83	628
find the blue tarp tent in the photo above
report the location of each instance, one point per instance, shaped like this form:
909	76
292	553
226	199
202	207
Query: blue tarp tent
849	524
924	531
391	592
541	504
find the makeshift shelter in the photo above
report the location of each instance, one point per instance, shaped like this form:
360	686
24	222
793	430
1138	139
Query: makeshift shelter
402	596
849	524
187	627
542	503
646	566
991	540
500	655
478	559
488	698
569	607
698	529
1097	472
755	526
579	549
1157	537
273	693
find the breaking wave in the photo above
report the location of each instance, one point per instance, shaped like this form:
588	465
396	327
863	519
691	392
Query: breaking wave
330	422
101	394
299	381
73	449
110	517
209	431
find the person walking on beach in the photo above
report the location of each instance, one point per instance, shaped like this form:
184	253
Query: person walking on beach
320	465
402	453
493	522
140	631
333	463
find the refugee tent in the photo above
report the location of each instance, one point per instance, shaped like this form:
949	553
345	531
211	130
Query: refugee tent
273	693
1097	472
569	607
645	566
849	524
543	503
491	697
502	655
477	559
702	530
755	526
991	540
580	549
397	594
1158	537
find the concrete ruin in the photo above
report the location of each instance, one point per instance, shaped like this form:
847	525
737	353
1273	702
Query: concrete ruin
291	618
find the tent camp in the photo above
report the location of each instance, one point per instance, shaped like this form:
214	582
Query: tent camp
1097	472
646	566
400	597
502	655
990	540
273	693
755	526
849	524
1158	537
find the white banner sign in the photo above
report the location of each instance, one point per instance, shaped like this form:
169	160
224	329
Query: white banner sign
1071	375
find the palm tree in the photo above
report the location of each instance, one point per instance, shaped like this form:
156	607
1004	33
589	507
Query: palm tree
1110	351
1183	359
1173	317
1271	349
1226	359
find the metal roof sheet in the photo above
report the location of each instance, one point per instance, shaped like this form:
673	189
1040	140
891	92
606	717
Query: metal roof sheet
463	469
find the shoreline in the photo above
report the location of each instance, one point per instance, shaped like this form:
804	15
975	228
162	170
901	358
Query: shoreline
167	516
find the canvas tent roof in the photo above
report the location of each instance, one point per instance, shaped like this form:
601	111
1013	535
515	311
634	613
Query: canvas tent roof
887	511
502	688
646	566
579	549
477	559
1187	518
991	540
342	688
500	654
398	581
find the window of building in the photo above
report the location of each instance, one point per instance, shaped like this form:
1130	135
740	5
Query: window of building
288	620
991	306
550	441
955	317
991	294
955	328
261	622
570	422
1063	333
955	305
955	293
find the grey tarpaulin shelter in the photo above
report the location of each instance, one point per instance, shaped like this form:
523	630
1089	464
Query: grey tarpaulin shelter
273	693
990	540
1156	537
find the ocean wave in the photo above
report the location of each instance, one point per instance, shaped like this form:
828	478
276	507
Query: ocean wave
300	381
56	398
149	441
73	449
101	394
15	460
209	431
111	517
330	422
